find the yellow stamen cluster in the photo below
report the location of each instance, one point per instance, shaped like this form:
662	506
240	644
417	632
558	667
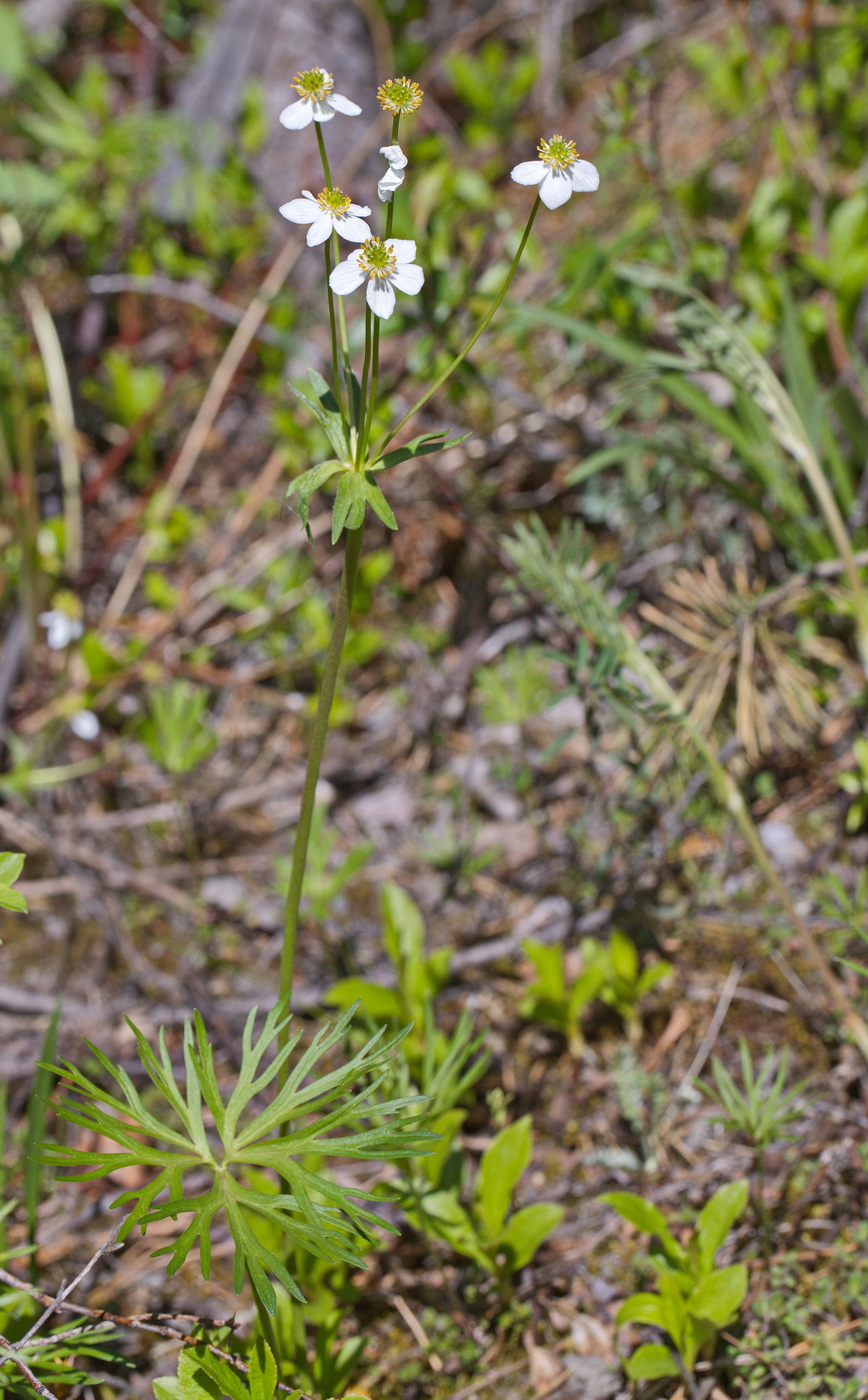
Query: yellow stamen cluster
315	84
333	201
400	96
558	153
376	259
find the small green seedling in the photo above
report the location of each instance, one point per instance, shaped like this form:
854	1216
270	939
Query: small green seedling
498	1239
202	1375
610	974
176	733
696	1300
11	866
323	884
761	1111
418	977
856	784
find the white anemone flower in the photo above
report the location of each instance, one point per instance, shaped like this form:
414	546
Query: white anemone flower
329	210
385	266
394	176
318	102
62	628
559	172
85	725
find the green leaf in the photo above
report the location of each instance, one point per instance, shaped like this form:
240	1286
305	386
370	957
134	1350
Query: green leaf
499	1173
642	1307
420	446
12	900
447	1125
403	926
647	1217
13	44
719	1296
717	1218
310	481
450	1221
527	1229
651	1363
11	866
325	410
349	507
378	503
381	1003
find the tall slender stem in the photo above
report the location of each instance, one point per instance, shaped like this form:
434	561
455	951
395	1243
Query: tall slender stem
441	378
334	332
315	753
375	388
363	397
322	155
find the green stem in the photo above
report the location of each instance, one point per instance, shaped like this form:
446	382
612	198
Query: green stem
462	354
334	331
322	155
390	208
365	370
314	758
375	389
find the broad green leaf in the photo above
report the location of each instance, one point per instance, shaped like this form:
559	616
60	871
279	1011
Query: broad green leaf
719	1296
717	1218
450	1221
499	1173
378	503
403	926
420	446
382	1003
12	900
650	1363
642	1307
227	1379
349	506
11	866
527	1229
191	1382
647	1217
548	959
625	959
674	1311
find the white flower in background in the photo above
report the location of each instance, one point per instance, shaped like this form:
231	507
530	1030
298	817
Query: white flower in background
558	172
318	102
329	210
394	176
85	725
385	266
62	627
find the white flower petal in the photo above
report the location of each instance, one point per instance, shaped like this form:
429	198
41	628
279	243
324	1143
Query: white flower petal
584	176
381	298
343	105
353	230
395	156
555	189
530	172
297	115
322	110
403	248
319	231
359	209
301	211
85	724
408	278
346	277
391	181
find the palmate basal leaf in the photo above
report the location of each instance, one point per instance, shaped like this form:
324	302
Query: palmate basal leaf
310	1113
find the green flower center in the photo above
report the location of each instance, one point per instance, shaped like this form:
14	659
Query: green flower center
333	201
315	84
558	153
376	259
400	95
